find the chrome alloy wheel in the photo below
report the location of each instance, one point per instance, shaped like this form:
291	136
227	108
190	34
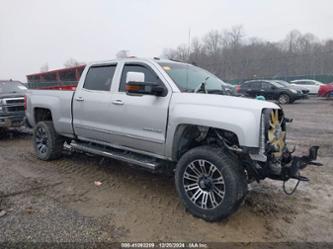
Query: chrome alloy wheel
284	99
41	140
204	184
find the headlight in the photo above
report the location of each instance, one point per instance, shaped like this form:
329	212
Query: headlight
293	90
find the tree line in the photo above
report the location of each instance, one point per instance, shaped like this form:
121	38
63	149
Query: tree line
230	55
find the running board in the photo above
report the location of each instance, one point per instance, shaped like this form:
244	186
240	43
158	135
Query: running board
122	155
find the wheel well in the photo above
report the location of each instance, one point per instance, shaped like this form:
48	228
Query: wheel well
42	114
285	93
189	136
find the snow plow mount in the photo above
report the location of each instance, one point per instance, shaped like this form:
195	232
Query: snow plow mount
293	164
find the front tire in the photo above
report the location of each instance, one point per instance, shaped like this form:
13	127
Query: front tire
210	183
47	143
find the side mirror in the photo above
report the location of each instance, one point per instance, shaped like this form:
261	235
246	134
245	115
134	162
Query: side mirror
145	88
273	87
135	77
135	84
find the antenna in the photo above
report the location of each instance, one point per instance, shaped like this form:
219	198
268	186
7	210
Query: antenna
189	42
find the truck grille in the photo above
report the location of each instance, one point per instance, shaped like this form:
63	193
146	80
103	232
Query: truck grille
15	101
15	108
13	105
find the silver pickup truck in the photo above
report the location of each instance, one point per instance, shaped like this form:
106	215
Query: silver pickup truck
167	115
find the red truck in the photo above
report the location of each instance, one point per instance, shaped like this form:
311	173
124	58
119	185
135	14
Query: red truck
60	79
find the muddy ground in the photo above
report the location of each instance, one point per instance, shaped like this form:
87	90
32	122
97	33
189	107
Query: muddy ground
58	201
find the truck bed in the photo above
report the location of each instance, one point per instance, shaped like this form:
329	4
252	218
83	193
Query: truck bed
59	102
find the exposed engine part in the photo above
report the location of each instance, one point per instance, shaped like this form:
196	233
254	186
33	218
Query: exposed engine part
276	134
232	147
203	133
275	167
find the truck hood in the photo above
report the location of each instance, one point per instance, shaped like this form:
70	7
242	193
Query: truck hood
222	101
12	95
241	116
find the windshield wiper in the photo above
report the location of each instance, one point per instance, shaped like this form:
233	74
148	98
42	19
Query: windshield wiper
202	86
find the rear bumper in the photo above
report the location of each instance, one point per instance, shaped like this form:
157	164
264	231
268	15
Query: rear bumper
11	121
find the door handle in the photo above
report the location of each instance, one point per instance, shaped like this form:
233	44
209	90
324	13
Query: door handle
118	102
80	99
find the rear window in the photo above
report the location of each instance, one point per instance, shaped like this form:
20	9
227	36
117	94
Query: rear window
252	84
99	78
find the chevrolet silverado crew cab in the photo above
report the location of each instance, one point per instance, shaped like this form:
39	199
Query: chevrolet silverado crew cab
162	114
11	103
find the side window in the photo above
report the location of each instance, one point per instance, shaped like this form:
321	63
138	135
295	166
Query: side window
99	78
244	85
150	75
265	85
256	85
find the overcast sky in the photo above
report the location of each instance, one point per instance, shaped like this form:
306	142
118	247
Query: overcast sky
36	32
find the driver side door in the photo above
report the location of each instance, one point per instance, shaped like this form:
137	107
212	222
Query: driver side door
140	120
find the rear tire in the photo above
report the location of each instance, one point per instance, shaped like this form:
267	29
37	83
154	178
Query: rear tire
211	184
284	99
47	143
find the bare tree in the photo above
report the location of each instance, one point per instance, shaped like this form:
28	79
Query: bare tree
71	62
230	56
122	54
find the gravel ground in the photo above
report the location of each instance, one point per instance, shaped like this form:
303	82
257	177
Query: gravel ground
58	201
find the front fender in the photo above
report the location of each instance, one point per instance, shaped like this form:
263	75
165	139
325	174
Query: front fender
244	123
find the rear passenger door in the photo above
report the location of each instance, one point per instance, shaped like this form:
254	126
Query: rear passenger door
92	103
252	89
267	90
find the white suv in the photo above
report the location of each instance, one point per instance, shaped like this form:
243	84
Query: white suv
312	85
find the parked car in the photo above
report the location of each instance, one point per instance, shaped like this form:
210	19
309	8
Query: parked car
304	90
166	115
311	85
271	90
326	90
11	103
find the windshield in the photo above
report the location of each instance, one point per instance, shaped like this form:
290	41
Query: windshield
277	84
11	87
188	77
283	83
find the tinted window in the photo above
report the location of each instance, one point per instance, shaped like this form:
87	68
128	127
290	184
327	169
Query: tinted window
251	85
265	85
246	85
99	78
150	76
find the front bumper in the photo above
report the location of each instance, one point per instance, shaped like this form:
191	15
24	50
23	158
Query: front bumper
299	96
11	121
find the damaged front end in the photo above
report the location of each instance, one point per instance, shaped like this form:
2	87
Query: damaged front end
274	159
